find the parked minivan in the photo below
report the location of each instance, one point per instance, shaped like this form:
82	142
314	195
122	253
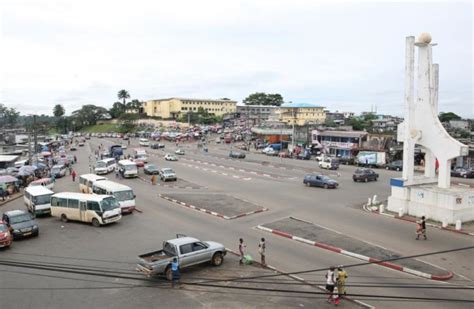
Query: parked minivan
127	168
124	194
58	170
144	142
37	200
105	166
329	163
87	180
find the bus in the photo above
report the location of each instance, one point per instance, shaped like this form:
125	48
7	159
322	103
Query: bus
105	166
96	209
128	168
37	200
86	181
122	193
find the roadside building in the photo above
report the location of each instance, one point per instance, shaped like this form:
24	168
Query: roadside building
256	114
339	143
173	108
301	114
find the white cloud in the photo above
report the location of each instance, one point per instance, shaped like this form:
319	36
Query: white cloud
330	53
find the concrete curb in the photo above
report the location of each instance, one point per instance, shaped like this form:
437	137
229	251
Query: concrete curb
211	212
358	256
322	288
413	221
171	187
12	199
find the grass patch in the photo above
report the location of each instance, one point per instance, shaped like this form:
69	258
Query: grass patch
102	128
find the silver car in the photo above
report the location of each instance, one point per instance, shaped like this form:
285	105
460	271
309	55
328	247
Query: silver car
167	174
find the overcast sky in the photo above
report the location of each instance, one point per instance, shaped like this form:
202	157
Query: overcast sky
347	56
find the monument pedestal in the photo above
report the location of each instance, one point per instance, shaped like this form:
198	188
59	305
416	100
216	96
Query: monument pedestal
443	205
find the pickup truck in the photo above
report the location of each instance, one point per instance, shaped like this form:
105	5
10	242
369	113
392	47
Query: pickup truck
189	251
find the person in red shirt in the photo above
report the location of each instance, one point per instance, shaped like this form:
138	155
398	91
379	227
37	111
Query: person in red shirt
73	174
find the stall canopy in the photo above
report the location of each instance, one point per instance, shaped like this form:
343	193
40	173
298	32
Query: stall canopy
7	179
27	170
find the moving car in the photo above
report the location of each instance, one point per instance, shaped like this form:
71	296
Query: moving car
170	157
329	163
463	172
319	180
6	237
21	223
73	148
144	142
395	166
167	174
237	154
151	169
270	152
81	144
365	174
188	250
139	162
157	146
179	152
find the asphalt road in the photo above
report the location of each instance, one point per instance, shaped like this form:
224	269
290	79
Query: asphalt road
268	182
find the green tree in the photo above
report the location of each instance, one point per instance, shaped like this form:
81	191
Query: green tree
123	95
135	105
261	98
8	116
87	116
58	111
118	108
128	122
446	117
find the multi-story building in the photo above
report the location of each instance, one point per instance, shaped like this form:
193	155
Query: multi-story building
256	114
339	143
301	114
173	108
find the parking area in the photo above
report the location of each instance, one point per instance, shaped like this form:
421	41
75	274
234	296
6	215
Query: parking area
221	205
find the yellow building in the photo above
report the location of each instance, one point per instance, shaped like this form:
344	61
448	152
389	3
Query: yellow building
173	108
301	114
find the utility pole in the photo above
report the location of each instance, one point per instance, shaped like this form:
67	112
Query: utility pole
35	135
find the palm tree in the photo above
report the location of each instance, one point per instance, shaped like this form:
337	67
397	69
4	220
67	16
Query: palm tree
123	95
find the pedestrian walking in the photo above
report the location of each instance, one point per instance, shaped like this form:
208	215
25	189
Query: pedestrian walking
116	173
242	247
2	193
153	180
70	170
75	159
261	250
73	174
175	275
53	178
421	228
330	282
341	280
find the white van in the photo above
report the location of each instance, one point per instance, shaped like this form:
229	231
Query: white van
58	170
37	200
122	193
140	154
96	209
128	168
105	166
144	142
87	180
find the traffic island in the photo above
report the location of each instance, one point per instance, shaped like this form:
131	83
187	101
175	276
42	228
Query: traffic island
321	237
178	184
219	205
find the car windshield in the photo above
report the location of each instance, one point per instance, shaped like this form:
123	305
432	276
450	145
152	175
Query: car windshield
130	167
168	171
101	164
151	167
141	156
20	218
109	203
124	195
42	199
55	170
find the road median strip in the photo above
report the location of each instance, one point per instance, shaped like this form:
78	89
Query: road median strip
439	277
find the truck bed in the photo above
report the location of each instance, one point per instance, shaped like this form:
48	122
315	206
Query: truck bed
154	256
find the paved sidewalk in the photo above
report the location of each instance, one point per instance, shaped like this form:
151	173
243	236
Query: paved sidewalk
467	228
11	198
325	238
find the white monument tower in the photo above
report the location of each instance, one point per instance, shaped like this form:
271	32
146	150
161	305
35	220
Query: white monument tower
429	194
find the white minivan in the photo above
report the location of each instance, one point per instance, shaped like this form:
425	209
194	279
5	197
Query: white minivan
105	166
122	193
37	200
140	154
87	180
144	142
128	168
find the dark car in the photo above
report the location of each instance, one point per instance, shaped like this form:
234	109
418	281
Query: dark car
237	154
463	172
319	180
151	169
394	166
365	174
305	155
346	160
21	223
157	146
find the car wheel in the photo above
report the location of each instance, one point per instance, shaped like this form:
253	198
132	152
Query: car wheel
217	259
63	218
325	186
355	180
95	222
366	179
465	176
398	169
376	178
387	168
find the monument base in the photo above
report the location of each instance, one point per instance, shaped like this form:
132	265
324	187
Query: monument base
443	205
